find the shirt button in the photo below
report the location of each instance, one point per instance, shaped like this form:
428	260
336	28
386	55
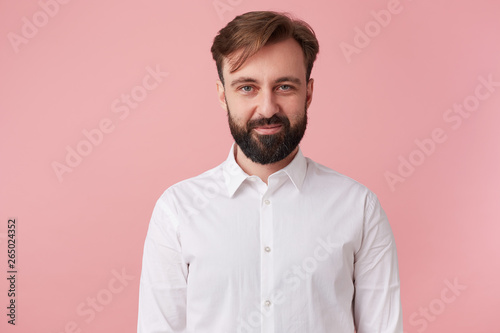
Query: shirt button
267	202
267	248
267	303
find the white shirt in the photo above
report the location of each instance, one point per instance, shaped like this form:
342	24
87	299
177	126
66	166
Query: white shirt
311	252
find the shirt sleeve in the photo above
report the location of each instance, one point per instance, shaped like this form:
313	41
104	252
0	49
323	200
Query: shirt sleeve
163	285
377	302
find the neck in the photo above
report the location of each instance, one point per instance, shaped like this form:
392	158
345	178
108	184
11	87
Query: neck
263	171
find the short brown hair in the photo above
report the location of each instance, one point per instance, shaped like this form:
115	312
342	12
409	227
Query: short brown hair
253	30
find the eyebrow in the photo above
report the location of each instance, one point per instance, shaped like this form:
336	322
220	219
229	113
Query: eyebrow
251	80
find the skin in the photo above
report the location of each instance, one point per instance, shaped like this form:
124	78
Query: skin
271	81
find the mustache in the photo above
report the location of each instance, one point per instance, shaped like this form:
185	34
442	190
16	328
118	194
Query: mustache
275	119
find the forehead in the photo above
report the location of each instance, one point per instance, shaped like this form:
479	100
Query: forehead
276	59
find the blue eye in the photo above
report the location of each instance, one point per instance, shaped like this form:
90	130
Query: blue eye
285	87
246	88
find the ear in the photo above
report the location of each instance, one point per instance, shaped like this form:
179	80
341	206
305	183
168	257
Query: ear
222	95
309	92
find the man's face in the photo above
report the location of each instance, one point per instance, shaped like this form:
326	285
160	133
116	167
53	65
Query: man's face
266	100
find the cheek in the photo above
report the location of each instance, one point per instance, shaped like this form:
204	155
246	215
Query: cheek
237	116
240	111
293	103
296	119
295	109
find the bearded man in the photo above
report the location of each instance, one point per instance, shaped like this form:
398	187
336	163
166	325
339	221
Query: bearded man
281	244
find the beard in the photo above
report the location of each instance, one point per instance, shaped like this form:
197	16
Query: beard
272	148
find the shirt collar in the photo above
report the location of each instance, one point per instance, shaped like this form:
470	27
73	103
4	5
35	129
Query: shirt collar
234	175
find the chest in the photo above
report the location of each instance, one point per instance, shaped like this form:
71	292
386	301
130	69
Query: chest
237	234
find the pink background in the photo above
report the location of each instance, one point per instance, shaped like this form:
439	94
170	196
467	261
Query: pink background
77	232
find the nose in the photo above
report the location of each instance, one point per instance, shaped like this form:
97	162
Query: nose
268	105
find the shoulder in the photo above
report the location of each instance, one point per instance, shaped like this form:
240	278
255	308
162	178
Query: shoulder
355	195
331	183
327	177
194	190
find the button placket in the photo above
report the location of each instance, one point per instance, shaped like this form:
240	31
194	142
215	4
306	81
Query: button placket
267	262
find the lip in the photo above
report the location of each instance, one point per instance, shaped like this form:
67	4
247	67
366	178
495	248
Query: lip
269	129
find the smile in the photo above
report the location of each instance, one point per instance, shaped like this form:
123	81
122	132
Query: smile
268	129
